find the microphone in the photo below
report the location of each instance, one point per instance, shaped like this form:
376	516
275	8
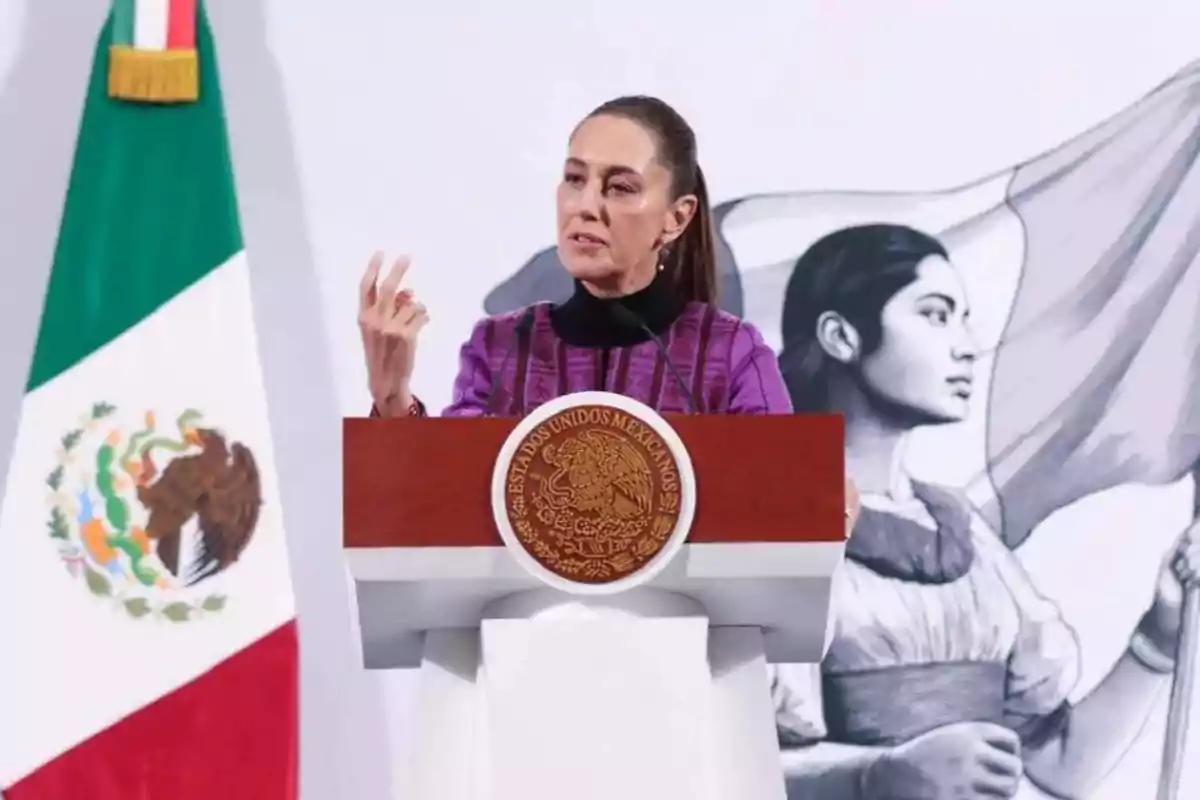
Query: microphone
524	324
629	318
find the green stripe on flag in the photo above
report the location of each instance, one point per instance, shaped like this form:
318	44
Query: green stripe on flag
122	22
150	210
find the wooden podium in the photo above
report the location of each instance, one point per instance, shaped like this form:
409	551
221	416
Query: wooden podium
532	690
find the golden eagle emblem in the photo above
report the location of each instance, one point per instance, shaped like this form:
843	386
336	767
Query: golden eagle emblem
593	494
147	516
598	472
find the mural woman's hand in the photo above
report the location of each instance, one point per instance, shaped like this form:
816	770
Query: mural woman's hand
965	761
1180	571
390	320
853	505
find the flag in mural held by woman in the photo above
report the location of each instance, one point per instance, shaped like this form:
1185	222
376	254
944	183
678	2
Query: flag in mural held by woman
1084	266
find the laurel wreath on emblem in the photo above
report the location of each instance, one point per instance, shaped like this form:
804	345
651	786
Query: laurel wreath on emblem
605	568
119	509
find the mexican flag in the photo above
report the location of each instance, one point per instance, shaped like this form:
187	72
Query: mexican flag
148	632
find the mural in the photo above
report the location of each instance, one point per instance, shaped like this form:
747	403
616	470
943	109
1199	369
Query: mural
931	607
1047	317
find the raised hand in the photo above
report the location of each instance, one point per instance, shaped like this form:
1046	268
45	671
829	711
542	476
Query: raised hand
390	320
1180	573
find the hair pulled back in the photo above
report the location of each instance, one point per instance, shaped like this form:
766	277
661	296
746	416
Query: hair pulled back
690	261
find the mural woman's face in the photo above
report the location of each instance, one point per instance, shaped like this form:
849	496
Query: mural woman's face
614	205
925	359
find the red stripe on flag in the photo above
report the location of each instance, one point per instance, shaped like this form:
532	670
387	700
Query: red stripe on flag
181	25
230	734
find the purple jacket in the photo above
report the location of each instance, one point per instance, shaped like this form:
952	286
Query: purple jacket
723	361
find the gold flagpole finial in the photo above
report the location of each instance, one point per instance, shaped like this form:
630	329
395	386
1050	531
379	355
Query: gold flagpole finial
152	58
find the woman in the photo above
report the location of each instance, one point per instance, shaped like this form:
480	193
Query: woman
947	673
635	233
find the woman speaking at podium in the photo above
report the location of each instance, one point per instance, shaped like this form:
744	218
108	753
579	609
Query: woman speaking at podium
635	231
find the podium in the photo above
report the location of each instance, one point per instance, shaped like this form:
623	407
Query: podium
593	593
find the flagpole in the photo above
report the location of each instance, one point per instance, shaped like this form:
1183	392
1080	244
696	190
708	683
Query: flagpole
1182	683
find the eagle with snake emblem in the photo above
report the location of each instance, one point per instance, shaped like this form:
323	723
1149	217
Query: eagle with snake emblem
207	479
601	476
220	487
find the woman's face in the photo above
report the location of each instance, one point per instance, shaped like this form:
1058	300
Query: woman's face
614	206
924	365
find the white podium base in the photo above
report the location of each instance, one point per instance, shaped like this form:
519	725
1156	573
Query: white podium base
631	697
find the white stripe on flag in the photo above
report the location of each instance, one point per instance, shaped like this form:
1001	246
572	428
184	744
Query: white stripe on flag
150	18
65	645
768	233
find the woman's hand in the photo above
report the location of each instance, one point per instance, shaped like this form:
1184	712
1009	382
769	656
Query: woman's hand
964	761
1180	572
390	320
853	505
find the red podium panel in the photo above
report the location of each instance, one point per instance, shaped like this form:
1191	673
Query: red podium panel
427	482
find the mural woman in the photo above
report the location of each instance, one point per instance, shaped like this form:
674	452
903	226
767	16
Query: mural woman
947	673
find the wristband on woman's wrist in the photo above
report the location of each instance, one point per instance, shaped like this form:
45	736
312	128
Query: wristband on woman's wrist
415	409
1152	646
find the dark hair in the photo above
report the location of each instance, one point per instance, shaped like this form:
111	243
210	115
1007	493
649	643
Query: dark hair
853	271
690	261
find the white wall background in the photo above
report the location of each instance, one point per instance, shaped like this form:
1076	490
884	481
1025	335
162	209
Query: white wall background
370	124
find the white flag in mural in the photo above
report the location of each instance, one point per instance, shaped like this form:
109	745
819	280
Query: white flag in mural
1088	258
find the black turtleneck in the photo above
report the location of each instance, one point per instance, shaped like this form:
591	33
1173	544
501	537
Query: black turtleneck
588	321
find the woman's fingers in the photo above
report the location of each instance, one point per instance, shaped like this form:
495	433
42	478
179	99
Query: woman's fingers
403	298
367	287
389	318
853	504
380	303
385	304
402	322
1186	564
